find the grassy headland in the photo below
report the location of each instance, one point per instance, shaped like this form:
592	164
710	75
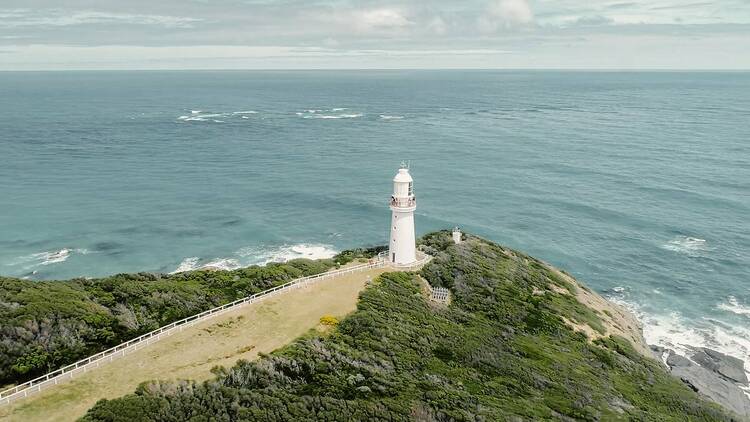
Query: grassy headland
511	346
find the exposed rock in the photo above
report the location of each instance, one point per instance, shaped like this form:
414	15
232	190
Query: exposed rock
709	383
728	366
616	319
676	361
658	353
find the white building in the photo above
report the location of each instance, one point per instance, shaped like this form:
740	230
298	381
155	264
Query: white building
456	235
402	249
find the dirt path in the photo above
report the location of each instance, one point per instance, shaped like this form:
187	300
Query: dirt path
190	354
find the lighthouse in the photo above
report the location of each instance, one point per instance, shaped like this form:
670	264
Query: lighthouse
402	247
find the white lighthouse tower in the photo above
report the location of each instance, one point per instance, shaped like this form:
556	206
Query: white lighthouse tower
402	250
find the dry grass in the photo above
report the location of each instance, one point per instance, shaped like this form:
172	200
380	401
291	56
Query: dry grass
190	354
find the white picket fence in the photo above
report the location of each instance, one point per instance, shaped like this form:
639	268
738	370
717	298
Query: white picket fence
67	372
94	361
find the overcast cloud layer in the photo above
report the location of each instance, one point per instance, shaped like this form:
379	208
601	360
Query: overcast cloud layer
257	34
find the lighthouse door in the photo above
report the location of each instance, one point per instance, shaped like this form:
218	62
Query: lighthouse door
393	257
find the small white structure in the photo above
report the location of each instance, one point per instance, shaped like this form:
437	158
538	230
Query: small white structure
456	235
402	249
439	294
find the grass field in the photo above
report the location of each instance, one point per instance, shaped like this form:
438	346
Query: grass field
241	334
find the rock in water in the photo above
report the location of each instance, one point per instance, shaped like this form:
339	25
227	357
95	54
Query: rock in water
709	383
727	366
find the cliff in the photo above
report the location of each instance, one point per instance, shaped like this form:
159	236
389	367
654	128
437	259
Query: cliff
519	341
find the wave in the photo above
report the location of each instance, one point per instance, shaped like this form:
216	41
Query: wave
216	117
222	264
389	117
732	305
681	334
257	256
187	264
333	116
332	113
686	245
254	255
27	262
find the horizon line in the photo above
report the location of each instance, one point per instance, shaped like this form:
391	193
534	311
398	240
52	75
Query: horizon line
531	69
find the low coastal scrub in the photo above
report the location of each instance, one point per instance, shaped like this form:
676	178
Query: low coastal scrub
45	325
501	351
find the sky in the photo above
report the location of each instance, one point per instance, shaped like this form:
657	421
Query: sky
362	34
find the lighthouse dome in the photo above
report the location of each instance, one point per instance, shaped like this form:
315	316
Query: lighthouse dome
403	176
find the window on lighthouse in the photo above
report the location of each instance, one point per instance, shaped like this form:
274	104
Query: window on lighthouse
411	188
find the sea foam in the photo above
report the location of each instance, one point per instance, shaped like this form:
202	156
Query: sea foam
686	245
257	256
733	305
215	117
681	334
332	113
46	258
187	264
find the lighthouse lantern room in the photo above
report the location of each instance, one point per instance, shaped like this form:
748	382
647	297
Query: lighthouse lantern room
402	247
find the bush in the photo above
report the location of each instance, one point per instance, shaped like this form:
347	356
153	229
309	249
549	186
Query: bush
329	320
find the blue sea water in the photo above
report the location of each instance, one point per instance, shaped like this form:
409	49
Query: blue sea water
636	183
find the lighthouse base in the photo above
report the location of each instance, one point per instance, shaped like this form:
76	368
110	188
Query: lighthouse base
402	250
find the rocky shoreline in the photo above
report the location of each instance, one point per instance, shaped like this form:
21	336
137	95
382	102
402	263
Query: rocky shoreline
719	377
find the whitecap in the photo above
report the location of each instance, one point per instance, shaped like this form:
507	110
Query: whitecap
258	256
674	331
255	255
195	111
338	109
45	258
187	264
389	117
333	116
733	305
221	264
54	257
245	112
686	245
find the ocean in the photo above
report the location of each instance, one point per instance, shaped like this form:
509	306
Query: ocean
637	183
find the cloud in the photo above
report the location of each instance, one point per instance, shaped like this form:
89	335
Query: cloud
506	14
437	25
16	18
378	19
371	33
